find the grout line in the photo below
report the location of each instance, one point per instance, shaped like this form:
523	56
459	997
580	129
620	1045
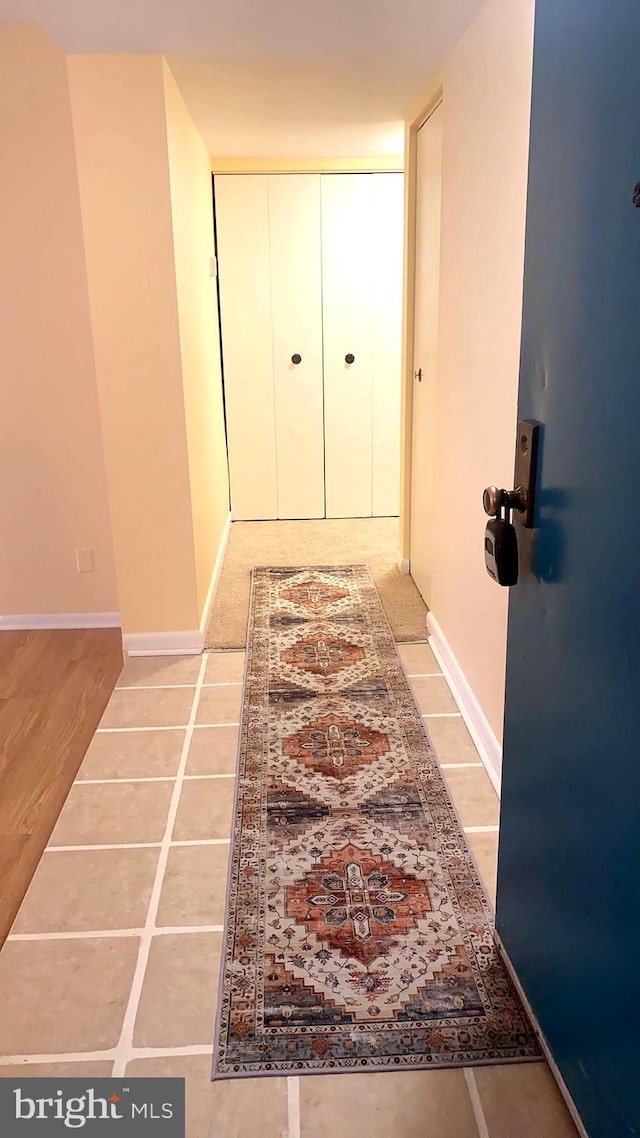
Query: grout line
111	1053
179	687
150	727
481	829
144	778
423	675
174	727
105	846
195	777
151	687
168	1052
109	934
441	715
101	934
125	1043
110	781
476	1103
138	845
203	842
199	726
293	1106
458	766
181	930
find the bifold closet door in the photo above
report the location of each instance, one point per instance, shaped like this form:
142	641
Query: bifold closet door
296	291
242	222
347	267
387	239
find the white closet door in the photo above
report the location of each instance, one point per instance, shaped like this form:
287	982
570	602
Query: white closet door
387	238
425	349
347	265
294	225
242	212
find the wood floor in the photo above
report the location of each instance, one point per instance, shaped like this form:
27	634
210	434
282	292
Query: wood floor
54	686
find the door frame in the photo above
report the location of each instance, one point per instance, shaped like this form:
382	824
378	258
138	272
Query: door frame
408	319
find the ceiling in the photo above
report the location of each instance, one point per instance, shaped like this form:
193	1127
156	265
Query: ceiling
276	78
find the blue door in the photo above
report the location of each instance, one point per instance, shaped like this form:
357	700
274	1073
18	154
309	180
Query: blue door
568	908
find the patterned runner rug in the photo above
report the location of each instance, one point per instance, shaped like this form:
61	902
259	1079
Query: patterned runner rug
358	933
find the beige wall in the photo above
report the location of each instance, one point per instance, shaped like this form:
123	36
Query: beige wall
149	316
486	85
192	215
53	496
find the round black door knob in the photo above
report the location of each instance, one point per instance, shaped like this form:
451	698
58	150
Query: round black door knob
296	358
349	358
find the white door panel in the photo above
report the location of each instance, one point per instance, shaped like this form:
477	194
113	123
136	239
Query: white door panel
346	291
427	283
294	226
386	330
245	301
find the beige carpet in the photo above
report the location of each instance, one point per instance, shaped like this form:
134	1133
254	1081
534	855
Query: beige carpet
373	541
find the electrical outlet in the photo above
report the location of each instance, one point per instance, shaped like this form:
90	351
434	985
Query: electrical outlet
84	560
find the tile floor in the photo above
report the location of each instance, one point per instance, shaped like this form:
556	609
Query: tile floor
111	966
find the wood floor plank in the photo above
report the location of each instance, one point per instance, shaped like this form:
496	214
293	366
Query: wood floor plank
54	686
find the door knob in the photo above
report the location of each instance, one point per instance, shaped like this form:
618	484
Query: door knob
494	500
418	375
349	358
296	358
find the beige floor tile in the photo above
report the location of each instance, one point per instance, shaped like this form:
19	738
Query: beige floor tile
213	750
127	812
205	809
88	891
233	1108
64	995
473	796
220	705
80	1070
224	667
522	1101
166	707
418	1104
433	695
484	848
418	658
195	886
133	754
178	1001
158	670
452	741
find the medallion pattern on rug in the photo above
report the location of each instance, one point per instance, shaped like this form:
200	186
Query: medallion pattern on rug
358	933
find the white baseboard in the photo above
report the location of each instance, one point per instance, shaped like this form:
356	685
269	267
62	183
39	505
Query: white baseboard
189	643
23	622
476	721
163	643
215	577
555	1070
404	565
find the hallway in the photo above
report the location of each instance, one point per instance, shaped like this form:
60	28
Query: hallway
334	541
111	966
